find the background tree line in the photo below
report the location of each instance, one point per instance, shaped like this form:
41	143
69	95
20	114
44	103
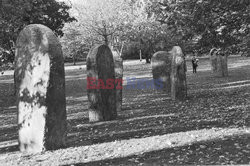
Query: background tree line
16	14
131	27
146	26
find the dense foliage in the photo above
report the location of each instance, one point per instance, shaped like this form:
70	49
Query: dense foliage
15	14
208	23
132	27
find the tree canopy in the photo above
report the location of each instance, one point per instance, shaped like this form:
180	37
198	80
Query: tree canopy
101	22
208	23
15	14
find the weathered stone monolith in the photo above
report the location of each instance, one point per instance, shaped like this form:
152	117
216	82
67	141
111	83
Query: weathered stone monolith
40	87
213	60
119	79
218	62
101	84
161	69
222	68
178	74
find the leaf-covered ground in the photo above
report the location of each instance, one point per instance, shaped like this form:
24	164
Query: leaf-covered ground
213	102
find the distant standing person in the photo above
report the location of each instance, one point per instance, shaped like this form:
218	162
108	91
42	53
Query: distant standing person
195	63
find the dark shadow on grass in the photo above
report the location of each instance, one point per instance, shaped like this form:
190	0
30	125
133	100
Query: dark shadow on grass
190	118
9	149
123	130
7	97
10	133
229	150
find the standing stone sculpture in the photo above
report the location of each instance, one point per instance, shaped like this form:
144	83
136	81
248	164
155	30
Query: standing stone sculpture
170	68
118	62
101	87
161	69
178	74
222	68
40	87
213	60
219	62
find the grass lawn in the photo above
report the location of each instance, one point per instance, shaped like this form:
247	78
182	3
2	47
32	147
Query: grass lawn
213	103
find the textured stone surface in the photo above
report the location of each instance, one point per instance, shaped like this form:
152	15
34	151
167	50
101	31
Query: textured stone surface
213	60
178	74
40	87
119	76
222	69
170	68
161	69
100	66
218	62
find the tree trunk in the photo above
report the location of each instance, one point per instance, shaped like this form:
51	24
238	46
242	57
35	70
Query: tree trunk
120	54
140	56
74	60
15	87
106	40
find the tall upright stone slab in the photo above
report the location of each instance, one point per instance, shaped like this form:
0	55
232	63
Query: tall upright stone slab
178	74
213	60
161	69
118	62
219	62
222	67
40	87
101	87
